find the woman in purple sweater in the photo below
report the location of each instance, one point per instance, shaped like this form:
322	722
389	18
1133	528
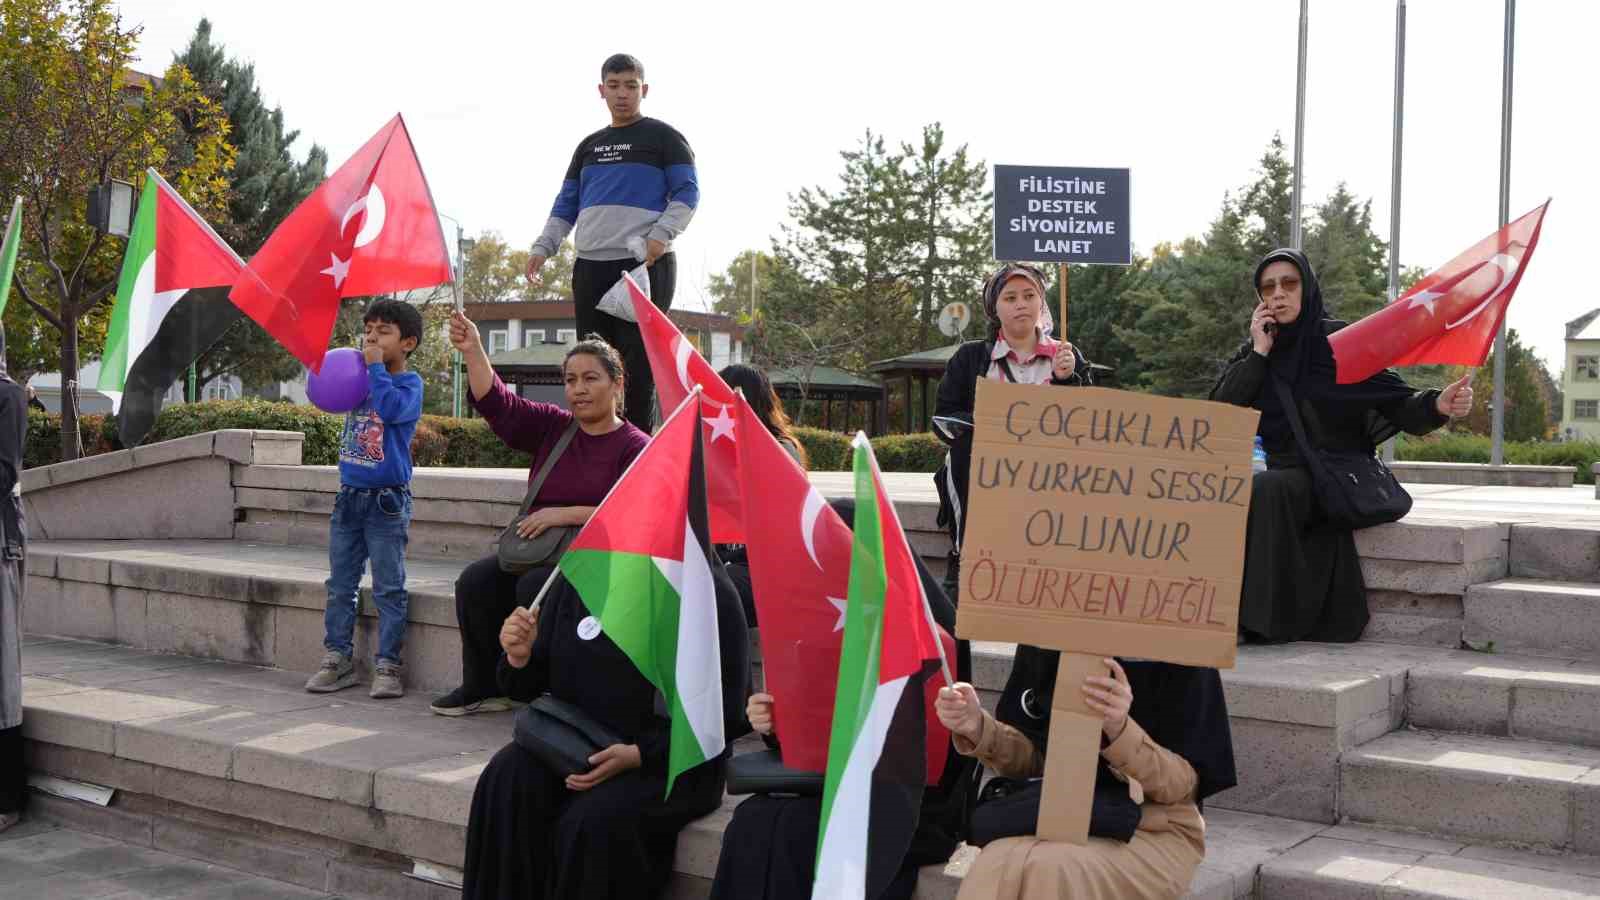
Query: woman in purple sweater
601	450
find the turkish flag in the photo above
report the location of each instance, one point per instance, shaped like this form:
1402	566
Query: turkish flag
1450	317
678	367
371	228
799	552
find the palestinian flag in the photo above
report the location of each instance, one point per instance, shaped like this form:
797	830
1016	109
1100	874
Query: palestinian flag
8	252
642	566
876	756
172	304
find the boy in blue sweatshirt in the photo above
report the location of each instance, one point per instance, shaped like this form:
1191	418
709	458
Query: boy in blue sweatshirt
373	510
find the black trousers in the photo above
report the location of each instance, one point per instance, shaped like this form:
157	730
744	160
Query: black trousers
13	780
485	596
590	281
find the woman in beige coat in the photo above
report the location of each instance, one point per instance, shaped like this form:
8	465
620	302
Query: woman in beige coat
1165	747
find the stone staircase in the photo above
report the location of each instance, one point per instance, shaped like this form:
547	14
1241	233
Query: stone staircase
170	668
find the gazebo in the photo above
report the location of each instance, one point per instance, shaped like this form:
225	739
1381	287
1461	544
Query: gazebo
828	384
925	368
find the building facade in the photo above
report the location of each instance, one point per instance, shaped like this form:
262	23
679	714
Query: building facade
1580	385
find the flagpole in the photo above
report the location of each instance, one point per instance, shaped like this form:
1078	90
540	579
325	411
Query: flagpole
1394	172
1497	453
1299	132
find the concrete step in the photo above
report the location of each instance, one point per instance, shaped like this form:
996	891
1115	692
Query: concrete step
1358	863
238	766
1563	550
1536	616
1542	699
1477	787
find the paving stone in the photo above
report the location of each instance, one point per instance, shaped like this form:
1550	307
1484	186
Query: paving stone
86	719
1398	840
1586	814
241	852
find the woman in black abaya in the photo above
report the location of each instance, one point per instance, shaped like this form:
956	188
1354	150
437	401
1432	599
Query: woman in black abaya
610	833
1302	579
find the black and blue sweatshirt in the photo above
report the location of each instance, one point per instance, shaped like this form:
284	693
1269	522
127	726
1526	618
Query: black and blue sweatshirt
637	181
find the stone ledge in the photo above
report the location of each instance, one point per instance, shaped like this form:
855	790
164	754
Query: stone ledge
1362	862
241	446
1417	472
1535	616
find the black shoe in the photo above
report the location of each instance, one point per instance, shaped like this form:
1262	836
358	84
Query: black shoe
459	703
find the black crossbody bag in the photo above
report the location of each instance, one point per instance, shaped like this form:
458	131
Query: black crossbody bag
1355	489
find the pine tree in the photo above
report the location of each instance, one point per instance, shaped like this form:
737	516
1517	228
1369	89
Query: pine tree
949	221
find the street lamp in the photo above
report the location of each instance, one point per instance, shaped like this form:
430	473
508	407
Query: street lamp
111	206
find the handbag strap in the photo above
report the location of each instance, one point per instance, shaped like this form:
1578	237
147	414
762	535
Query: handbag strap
549	463
1291	410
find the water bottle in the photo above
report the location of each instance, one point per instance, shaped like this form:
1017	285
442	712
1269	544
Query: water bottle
1258	457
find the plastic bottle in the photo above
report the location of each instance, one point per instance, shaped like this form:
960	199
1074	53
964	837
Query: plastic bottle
1258	457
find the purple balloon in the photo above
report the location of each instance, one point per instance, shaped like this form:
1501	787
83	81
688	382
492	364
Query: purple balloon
342	384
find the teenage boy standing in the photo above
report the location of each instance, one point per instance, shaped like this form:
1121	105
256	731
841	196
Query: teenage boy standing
630	182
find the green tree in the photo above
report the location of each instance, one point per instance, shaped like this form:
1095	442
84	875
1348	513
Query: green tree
1350	260
1527	415
265	185
948	220
1104	303
72	114
730	289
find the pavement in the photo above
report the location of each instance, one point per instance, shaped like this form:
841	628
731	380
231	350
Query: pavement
42	861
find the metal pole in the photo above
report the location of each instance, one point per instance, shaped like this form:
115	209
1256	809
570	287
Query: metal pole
1394	172
1497	453
455	378
752	284
1299	132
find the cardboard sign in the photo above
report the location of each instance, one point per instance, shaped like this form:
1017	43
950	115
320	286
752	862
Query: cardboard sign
1062	215
1103	523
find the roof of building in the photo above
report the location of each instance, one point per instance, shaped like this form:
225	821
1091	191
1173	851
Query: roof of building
822	376
930	360
548	355
1585	327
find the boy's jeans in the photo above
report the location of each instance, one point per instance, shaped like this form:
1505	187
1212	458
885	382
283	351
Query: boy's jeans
368	523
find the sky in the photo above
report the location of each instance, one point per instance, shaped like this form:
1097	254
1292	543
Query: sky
1185	93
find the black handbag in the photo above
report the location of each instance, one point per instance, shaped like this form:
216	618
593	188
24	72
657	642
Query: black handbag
561	735
518	554
1009	807
1355	489
763	772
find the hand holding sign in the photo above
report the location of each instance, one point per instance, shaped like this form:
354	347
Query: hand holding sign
1455	400
1111	698
1065	362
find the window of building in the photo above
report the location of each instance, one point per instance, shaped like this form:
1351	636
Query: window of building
566	335
219	389
1586	409
532	336
1587	368
498	340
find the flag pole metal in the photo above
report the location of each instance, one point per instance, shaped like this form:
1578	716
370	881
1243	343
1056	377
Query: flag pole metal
1497	453
1394	172
1299	132
455	376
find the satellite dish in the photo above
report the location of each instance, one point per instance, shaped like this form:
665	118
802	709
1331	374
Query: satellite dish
954	318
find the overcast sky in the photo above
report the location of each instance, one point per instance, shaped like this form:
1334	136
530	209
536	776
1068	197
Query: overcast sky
1186	93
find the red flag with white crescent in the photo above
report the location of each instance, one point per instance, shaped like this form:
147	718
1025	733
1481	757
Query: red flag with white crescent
1450	317
678	367
371	228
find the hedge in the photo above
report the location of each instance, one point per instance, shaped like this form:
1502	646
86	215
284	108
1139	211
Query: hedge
468	443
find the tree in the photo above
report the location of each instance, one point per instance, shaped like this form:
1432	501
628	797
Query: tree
1351	262
1104	303
265	185
949	221
730	290
1527	415
72	114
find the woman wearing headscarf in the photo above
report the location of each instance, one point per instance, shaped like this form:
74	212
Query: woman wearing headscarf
1165	747
1019	349
608	833
13	549
1302	579
769	849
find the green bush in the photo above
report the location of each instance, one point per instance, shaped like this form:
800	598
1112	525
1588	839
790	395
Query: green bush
98	434
468	443
322	430
920	452
1473	448
829	451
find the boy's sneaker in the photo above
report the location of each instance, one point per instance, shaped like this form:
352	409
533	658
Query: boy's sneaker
337	673
458	703
386	680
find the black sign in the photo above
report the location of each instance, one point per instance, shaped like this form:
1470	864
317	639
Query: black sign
1055	214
